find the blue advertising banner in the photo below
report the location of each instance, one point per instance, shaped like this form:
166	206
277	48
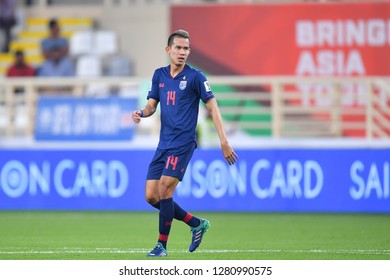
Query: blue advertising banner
70	118
296	180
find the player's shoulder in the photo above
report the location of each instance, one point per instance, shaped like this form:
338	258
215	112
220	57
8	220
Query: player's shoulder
195	72
161	71
190	68
162	68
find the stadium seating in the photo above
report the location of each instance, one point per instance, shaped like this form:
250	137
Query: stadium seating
81	43
101	46
34	30
87	44
105	43
118	66
89	65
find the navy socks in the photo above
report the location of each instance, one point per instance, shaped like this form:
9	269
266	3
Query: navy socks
181	215
166	217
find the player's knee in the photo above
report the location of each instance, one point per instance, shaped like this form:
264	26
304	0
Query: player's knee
166	186
166	191
151	199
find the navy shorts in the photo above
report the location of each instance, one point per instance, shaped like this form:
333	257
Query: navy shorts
171	162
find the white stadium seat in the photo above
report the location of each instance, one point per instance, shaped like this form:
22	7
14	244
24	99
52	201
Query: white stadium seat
105	43
81	43
88	66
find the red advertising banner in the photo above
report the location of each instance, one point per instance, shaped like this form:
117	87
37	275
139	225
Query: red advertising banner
351	39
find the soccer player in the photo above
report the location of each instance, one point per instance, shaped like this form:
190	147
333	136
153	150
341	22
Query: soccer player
178	88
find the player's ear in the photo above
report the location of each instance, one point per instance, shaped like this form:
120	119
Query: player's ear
167	49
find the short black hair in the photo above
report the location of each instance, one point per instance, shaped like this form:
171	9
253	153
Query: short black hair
19	53
53	23
178	33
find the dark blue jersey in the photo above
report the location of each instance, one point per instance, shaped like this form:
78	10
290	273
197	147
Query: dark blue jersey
179	103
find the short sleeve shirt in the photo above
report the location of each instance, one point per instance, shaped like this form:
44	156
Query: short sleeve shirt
50	43
179	99
64	68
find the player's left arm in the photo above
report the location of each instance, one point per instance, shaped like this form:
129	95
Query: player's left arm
228	152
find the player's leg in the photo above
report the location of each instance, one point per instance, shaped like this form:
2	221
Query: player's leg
156	168
176	165
159	192
152	195
179	213
198	226
167	186
153	198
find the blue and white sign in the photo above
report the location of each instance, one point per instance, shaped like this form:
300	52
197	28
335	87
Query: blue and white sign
288	180
68	118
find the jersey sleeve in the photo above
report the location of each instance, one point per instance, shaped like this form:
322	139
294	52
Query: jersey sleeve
203	87
154	90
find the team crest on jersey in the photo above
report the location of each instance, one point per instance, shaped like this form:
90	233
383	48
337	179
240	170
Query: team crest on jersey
183	85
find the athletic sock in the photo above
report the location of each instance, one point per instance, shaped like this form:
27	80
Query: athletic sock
165	217
182	215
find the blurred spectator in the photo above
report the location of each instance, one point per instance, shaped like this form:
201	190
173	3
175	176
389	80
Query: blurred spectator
54	41
56	65
7	21
20	68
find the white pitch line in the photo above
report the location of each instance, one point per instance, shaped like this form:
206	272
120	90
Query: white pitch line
144	250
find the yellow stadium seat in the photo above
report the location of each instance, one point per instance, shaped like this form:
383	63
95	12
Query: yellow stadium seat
3	69
34	59
86	22
6	58
37	21
31	34
41	34
77	22
25	46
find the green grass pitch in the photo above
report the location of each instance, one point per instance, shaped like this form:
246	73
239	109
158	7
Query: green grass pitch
240	236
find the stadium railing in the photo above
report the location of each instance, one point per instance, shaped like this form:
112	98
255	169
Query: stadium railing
280	107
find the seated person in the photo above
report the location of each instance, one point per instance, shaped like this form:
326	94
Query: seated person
57	65
54	40
7	21
20	68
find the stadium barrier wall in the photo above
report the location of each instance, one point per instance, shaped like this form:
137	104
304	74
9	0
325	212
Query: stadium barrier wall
278	179
253	104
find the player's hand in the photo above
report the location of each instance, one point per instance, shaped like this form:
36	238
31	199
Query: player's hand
229	154
136	116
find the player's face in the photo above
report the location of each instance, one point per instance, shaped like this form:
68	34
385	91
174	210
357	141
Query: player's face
179	51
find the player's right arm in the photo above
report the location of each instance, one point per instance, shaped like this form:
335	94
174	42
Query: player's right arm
147	111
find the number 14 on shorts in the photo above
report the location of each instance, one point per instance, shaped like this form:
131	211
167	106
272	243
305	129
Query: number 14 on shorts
172	161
